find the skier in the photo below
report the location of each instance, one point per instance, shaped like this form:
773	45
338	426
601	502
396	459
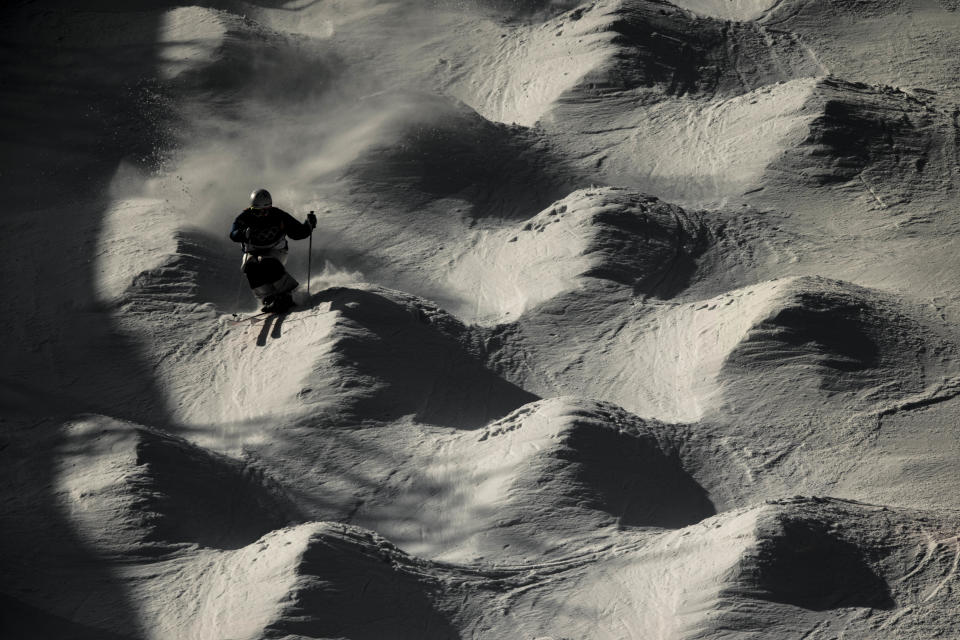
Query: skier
263	231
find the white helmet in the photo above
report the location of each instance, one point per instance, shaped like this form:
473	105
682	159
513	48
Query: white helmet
260	199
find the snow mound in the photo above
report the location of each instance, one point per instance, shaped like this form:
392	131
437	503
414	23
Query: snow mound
143	490
650	48
692	109
582	465
815	556
610	234
676	53
250	61
802	559
392	355
750	572
848	347
435	173
343	574
312	580
550	477
853	349
150	259
433	148
668	357
688	150
104	514
351	354
885	141
852	40
780	567
520	78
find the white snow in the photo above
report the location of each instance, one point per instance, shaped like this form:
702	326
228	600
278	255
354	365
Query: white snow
729	9
627	319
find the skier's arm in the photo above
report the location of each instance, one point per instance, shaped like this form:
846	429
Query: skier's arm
238	232
295	229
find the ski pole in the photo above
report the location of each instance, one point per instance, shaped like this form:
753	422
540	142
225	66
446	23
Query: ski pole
309	260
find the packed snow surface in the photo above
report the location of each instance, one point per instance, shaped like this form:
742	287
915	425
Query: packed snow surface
624	319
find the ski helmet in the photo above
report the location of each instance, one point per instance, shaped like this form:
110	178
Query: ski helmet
260	199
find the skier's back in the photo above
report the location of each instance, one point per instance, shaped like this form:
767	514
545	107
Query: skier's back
263	231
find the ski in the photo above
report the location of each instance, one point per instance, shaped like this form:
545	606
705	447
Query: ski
239	319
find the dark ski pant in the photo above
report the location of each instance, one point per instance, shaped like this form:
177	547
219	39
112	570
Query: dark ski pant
266	274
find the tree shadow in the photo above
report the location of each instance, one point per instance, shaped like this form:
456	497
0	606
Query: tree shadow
70	116
22	620
356	484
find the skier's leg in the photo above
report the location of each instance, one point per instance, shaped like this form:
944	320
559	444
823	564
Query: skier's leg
269	280
264	274
252	269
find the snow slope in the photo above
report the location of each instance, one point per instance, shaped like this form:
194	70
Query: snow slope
627	319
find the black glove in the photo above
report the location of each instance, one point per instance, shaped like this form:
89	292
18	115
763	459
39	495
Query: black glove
312	220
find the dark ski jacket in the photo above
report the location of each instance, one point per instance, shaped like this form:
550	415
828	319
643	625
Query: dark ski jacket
264	229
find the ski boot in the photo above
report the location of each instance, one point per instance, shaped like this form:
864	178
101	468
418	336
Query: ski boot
278	303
